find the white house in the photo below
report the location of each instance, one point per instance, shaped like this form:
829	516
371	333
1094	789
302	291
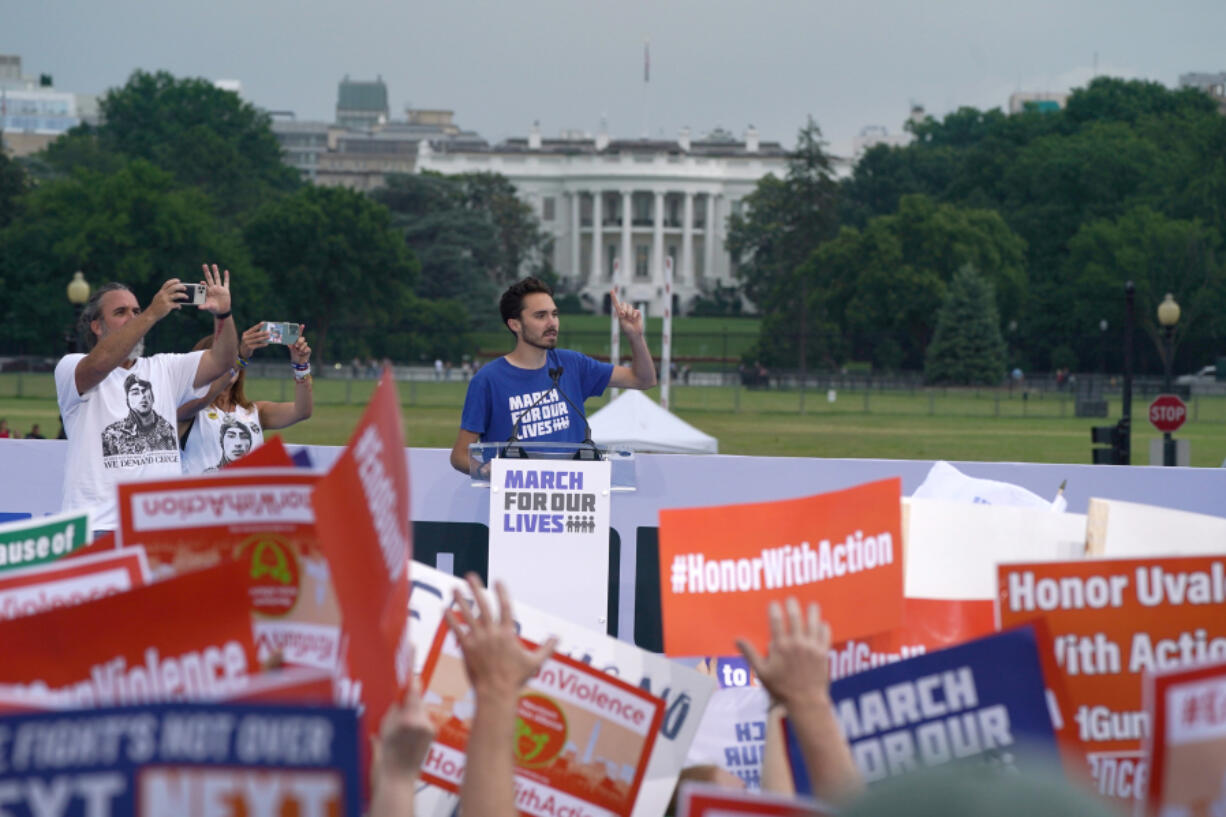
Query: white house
617	209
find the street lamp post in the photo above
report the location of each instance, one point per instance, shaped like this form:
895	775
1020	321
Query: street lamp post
1102	347
1168	316
78	294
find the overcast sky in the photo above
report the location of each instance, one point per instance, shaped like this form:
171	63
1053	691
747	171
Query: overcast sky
502	64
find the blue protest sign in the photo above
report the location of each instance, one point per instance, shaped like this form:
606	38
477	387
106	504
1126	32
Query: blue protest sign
183	759
984	698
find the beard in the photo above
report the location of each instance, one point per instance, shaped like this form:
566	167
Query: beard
137	351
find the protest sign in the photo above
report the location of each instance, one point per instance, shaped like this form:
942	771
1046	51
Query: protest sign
553	512
684	691
1123	530
1110	621
260	517
1187	747
30	542
720	566
583	737
705	800
186	760
362	515
187	638
944	706
30	590
731	734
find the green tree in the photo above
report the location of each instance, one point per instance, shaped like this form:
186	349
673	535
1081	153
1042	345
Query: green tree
782	223
134	225
523	247
966	348
204	136
13	184
333	258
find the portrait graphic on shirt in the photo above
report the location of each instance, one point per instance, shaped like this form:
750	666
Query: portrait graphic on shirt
141	436
237	439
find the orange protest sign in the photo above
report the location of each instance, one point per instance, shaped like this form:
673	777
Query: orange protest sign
66	582
260	517
928	625
720	566
182	639
1110	622
362	516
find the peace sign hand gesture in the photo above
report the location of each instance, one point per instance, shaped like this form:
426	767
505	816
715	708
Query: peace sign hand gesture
628	318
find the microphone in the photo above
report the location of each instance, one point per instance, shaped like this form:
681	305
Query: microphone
592	452
515	451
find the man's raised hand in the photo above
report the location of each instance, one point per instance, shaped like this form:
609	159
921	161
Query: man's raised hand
796	668
629	318
217	290
169	298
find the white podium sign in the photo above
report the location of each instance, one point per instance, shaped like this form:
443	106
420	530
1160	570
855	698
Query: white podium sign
549	535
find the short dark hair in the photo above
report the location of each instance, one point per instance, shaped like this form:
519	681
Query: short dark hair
512	303
136	380
92	311
229	423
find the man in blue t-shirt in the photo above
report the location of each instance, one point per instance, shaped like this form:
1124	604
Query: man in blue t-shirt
526	390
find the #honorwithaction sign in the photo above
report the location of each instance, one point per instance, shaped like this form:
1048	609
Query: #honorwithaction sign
720	566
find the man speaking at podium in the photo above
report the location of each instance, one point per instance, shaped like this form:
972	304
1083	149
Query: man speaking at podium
536	392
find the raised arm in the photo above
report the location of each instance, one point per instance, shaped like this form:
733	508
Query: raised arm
220	358
641	373
114	347
280	415
498	666
796	672
405	736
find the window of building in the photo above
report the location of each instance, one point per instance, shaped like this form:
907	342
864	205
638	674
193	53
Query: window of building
610	258
640	261
642	209
547	209
671	250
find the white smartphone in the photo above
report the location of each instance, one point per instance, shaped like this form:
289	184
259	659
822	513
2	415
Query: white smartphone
195	294
284	333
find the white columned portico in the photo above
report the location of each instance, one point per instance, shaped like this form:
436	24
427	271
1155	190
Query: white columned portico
687	240
708	244
597	218
627	254
657	239
576	262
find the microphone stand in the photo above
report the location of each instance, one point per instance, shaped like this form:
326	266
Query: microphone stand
591	453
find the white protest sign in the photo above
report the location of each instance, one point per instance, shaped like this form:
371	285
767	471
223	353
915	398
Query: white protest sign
684	690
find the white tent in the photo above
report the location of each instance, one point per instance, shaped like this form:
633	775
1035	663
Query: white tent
634	419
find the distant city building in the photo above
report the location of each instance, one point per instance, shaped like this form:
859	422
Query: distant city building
1041	101
618	210
361	104
1212	84
33	113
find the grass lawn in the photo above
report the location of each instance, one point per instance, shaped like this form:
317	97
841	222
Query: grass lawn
925	424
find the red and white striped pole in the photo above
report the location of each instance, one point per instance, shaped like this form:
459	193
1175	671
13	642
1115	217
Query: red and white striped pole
666	345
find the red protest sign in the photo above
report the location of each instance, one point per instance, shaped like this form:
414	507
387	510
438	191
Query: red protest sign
1167	413
720	566
928	625
362	516
67	582
583	737
261	517
182	639
1187	749
1110	622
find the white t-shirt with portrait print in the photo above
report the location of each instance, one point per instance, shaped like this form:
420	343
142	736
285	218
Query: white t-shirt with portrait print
122	429
218	437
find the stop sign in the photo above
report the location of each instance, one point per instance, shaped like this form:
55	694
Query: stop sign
1167	412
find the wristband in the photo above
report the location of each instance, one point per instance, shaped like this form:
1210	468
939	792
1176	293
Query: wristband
221	316
301	370
242	361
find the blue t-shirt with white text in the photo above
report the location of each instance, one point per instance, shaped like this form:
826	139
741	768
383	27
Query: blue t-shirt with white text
500	393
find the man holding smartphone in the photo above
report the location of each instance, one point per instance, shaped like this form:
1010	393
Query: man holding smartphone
524	393
102	391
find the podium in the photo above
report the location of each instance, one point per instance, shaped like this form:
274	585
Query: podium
549	523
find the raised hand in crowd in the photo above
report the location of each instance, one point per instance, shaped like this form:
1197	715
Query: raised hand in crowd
405	736
796	673
254	338
498	665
